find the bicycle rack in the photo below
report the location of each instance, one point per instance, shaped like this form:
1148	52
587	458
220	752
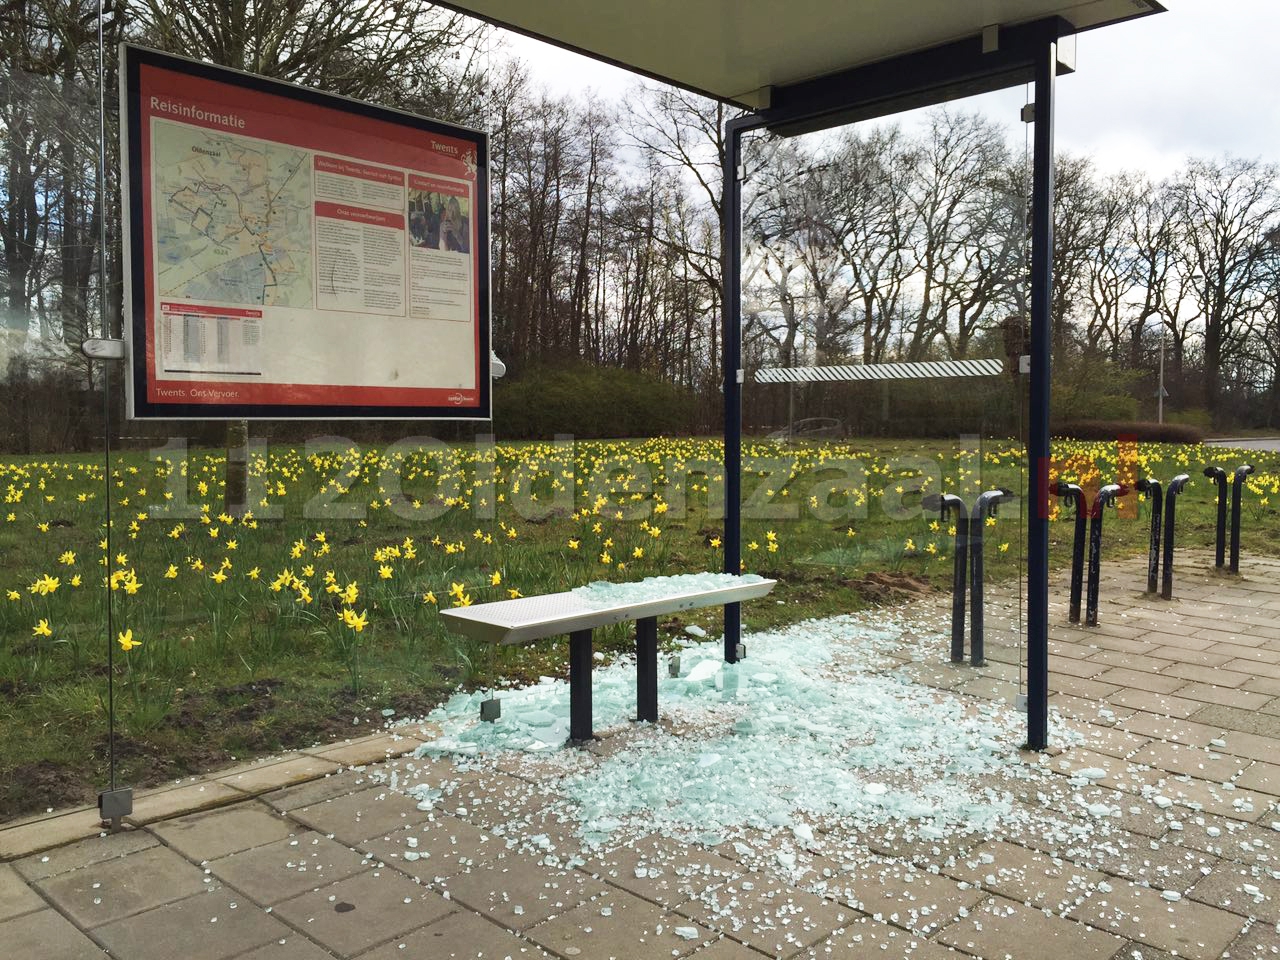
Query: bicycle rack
1151	487
985	506
1237	482
1106	496
1072	492
1219	476
949	506
1176	486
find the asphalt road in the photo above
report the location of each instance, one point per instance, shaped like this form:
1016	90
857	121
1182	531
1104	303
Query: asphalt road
1269	444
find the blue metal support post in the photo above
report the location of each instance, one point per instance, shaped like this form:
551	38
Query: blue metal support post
1038	432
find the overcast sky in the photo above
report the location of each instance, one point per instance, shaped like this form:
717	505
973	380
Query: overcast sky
1200	80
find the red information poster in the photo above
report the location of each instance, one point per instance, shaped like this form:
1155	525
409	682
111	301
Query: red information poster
291	254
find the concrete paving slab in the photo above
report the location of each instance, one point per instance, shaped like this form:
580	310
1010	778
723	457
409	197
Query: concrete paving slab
1214	797
1159	727
1249	891
1027	876
1259	941
726	949
264	777
316	791
619	924
1145	915
107	891
219	833
1205	763
287	868
362	751
445	846
1002	928
865	938
1247	843
292	946
896	893
359	816
363	911
663	870
217	925
95	849
518	891
149	806
47	935
761	911
459	936
16	898
23	839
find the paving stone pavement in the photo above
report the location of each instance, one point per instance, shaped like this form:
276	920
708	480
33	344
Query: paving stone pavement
314	855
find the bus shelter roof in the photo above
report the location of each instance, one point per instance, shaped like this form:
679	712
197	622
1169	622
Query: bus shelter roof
768	55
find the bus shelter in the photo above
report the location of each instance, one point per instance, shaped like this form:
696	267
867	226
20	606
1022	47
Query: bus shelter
801	67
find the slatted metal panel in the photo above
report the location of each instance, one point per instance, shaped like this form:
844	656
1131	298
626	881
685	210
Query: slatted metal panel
924	370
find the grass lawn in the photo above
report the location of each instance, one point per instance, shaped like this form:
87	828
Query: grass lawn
317	611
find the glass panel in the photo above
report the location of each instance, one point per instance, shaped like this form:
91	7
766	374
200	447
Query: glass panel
891	256
54	646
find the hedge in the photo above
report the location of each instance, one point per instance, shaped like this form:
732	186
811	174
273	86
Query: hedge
1141	430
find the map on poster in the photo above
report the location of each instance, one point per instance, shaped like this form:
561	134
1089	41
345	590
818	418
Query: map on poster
297	255
233	218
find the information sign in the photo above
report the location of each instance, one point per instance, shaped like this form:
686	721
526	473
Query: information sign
291	254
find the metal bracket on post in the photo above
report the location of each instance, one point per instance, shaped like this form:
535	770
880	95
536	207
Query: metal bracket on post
102	349
114	805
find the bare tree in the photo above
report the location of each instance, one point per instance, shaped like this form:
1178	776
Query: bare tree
1230	207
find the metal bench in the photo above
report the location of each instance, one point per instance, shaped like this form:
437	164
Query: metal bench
528	619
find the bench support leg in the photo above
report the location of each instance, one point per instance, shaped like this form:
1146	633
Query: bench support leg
647	669
580	686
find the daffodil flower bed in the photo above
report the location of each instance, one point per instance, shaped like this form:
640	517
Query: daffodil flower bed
235	633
